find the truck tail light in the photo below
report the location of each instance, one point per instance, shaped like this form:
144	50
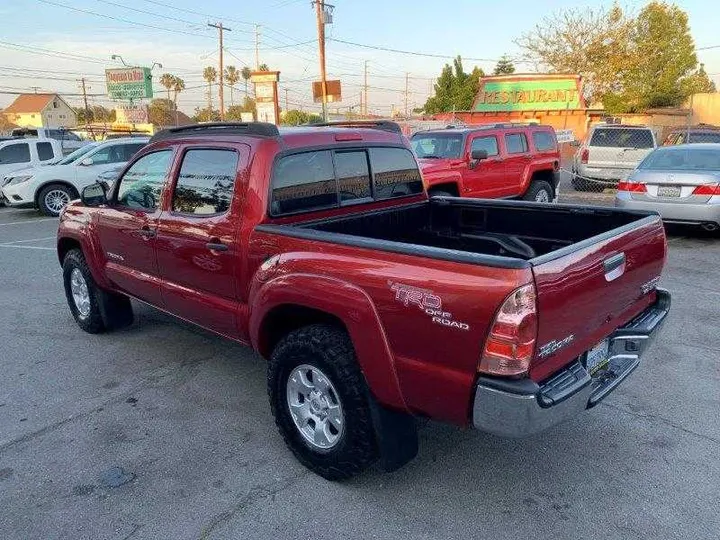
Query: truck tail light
632	187
584	155
510	344
707	189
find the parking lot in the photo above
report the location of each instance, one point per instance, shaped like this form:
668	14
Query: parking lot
162	430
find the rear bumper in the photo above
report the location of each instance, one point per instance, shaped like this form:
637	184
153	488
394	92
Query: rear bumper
609	174
674	212
522	408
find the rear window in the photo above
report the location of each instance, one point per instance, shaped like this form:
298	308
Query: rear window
622	138
437	145
679	158
516	143
45	151
331	178
543	141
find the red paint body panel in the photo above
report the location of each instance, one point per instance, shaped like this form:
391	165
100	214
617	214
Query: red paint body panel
411	362
504	175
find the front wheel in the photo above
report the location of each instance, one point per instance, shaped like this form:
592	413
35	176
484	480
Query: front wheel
539	191
319	399
54	198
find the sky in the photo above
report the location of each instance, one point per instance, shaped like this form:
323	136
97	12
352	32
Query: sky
51	44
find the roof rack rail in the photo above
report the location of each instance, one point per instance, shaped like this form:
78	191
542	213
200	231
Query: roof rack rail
259	129
384	125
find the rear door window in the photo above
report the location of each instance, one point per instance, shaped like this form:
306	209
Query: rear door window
304	182
516	143
45	151
395	173
543	141
489	144
206	182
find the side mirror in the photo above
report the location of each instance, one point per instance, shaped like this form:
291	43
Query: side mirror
87	162
479	154
94	195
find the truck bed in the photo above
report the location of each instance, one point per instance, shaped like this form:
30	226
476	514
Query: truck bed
500	230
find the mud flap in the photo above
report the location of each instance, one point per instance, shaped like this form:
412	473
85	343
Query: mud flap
397	436
115	310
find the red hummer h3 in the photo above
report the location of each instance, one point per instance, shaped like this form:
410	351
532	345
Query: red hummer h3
374	304
495	161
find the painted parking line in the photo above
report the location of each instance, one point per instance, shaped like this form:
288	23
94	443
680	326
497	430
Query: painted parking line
27	247
28	221
30	240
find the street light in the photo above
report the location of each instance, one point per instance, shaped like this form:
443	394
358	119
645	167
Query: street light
158	64
118	57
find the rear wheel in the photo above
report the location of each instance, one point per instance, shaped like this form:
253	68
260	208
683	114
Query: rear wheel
320	402
54	198
539	191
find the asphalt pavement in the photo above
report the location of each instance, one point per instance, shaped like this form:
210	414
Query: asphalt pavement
164	431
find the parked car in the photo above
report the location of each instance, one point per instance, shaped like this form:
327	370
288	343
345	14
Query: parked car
69	141
374	304
695	134
609	154
18	154
496	161
680	182
51	188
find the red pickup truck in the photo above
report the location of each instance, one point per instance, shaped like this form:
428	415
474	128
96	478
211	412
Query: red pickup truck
495	161
374	305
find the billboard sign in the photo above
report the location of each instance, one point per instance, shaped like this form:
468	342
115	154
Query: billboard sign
129	83
529	92
132	114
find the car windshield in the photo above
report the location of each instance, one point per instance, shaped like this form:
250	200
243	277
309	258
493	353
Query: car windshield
680	158
77	154
437	145
622	138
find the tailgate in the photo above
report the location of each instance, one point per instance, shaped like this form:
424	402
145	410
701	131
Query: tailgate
587	292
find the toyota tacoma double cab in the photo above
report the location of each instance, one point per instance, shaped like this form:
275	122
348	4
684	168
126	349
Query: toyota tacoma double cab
373	304
495	161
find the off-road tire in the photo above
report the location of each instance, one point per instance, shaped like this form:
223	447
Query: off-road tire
108	311
535	188
329	349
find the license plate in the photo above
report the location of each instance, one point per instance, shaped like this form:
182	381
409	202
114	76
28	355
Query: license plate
597	357
668	191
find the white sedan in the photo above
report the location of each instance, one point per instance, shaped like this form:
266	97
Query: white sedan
51	187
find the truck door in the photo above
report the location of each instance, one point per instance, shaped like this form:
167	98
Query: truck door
197	243
127	228
484	178
517	159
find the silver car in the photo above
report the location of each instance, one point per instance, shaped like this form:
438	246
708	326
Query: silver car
609	155
681	182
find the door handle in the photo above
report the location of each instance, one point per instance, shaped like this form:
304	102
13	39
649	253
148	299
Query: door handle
147	232
614	266
216	246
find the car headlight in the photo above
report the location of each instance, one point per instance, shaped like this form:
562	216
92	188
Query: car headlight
18	180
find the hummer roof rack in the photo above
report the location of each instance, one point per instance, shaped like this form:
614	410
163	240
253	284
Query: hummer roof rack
384	125
259	129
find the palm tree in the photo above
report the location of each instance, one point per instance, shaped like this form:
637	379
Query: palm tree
232	76
263	67
178	86
210	75
167	81
245	72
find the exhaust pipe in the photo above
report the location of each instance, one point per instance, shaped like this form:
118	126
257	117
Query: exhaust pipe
710	227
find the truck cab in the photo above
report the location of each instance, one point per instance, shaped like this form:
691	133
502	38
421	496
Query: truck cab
498	161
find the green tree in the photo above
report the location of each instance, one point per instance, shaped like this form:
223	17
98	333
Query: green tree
167	80
235	111
232	76
699	82
161	112
592	42
210	75
454	89
295	117
245	72
504	66
206	115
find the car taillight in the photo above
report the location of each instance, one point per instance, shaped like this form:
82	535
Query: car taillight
584	155
707	189
633	187
510	344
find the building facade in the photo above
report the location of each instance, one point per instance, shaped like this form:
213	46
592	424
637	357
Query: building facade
40	110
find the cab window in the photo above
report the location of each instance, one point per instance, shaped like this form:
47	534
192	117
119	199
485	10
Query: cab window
141	185
489	144
206	182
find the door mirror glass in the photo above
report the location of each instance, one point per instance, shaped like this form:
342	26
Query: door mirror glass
94	195
87	162
478	154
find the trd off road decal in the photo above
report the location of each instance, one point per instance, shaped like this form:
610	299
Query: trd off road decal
428	302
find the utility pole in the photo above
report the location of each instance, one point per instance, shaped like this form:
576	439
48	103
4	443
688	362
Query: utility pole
407	80
87	109
221	75
286	101
364	108
320	16
257	47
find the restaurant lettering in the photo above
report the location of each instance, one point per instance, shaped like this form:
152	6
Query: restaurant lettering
529	96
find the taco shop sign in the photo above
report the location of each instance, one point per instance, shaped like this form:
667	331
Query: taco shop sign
529	92
129	83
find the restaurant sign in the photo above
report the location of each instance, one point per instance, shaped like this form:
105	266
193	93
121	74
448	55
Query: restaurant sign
129	83
523	93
